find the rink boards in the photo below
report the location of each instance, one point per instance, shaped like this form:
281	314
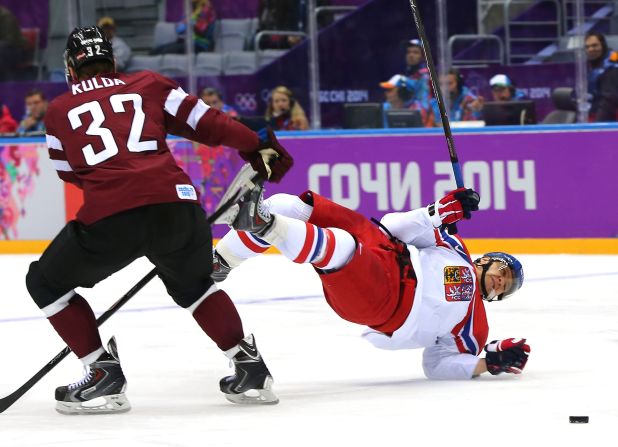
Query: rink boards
544	189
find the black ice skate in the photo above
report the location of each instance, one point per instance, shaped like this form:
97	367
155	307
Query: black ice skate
101	391
252	382
252	214
220	268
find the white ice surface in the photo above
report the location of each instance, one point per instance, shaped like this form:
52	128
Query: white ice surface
335	389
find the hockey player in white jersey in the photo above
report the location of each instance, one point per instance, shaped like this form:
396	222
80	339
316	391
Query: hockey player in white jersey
407	278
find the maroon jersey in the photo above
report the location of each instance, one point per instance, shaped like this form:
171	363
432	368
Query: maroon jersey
107	136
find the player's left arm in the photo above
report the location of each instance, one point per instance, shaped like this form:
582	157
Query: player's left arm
412	227
417	227
504	356
481	367
443	363
195	120
189	117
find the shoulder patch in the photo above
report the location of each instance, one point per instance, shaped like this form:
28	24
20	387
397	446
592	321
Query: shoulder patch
458	283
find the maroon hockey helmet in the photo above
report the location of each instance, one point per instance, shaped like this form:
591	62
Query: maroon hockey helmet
85	45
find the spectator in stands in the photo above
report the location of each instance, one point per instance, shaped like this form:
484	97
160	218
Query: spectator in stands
503	89
122	51
464	105
399	94
36	107
7	122
415	59
13	45
276	15
602	78
416	70
213	98
203	20
283	112
287	15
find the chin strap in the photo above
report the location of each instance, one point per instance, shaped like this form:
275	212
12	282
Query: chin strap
484	292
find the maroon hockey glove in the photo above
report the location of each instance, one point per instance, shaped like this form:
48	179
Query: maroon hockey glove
453	207
256	161
509	356
282	162
270	152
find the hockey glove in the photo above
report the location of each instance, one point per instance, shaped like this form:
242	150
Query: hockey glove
509	356
271	160
453	207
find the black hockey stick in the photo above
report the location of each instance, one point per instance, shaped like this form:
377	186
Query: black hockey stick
438	93
9	400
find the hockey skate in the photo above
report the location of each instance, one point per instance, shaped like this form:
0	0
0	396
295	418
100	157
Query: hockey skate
242	183
220	268
252	215
252	382
101	391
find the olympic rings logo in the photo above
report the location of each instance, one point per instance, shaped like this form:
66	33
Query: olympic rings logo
246	101
266	92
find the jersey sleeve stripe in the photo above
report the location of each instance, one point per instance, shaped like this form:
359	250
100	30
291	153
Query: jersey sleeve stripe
197	113
53	142
62	165
468	337
439	241
471	332
174	99
455	245
186	107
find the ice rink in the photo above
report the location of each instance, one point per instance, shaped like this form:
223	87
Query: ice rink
334	388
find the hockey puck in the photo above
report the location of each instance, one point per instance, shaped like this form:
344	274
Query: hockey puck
579	419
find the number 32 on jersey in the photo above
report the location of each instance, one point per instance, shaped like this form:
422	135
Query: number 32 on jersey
95	129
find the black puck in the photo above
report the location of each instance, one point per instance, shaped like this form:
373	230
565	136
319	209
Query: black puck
579	419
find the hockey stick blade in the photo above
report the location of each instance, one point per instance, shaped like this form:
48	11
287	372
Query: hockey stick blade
9	400
230	199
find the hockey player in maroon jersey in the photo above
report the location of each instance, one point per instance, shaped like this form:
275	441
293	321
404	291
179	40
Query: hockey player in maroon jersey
409	280
107	136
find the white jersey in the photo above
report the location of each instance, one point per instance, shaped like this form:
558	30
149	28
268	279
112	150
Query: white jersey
448	317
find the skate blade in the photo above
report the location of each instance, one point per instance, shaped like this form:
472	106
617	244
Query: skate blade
115	403
264	396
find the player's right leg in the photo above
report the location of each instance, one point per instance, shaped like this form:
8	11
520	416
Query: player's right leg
237	246
325	248
360	274
82	256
